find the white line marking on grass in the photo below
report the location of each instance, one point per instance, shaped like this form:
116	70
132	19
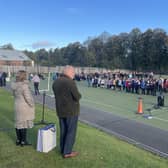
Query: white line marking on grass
160	119
105	105
50	95
98	103
46	90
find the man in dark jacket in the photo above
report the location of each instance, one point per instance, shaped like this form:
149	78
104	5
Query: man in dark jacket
68	108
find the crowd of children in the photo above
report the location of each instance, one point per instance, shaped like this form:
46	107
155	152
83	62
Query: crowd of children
138	83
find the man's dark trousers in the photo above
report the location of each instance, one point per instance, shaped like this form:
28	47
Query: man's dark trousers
68	127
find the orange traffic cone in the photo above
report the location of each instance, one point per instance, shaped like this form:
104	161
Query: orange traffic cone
140	108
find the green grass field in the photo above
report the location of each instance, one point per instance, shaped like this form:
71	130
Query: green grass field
97	149
120	103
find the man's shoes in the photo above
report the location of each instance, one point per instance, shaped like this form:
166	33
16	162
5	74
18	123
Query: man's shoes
72	154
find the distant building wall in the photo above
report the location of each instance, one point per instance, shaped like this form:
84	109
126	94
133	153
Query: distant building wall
45	69
15	63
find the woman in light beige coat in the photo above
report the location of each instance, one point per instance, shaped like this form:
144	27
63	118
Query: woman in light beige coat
24	107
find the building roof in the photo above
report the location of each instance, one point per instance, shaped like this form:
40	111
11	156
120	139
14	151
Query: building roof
13	55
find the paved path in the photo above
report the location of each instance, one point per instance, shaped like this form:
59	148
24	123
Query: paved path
147	137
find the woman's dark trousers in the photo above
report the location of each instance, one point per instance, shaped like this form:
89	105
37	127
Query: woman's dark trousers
21	136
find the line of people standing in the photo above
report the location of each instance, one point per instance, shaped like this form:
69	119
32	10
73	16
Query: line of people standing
141	85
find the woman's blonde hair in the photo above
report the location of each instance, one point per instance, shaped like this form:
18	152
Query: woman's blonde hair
21	76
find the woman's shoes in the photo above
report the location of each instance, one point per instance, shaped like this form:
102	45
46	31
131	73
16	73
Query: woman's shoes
22	143
25	144
17	142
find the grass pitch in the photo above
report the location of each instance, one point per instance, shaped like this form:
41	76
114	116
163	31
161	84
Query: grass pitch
97	149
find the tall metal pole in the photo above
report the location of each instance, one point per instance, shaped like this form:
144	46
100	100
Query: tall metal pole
44	94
